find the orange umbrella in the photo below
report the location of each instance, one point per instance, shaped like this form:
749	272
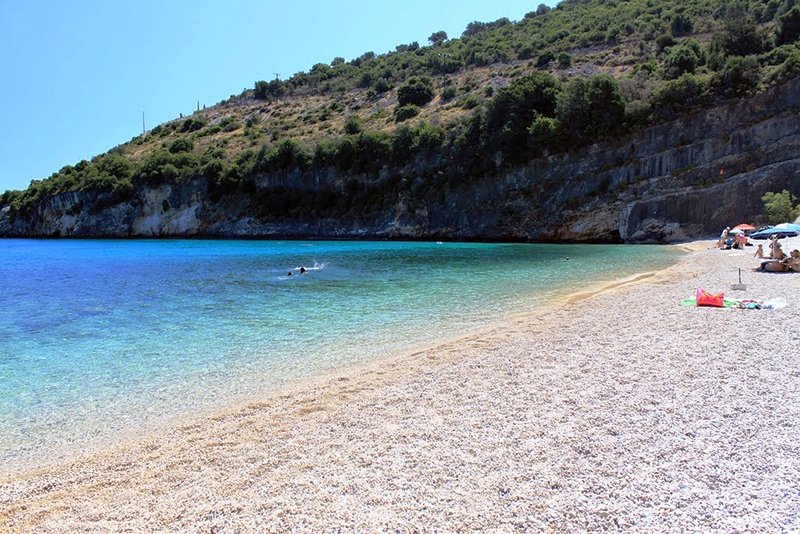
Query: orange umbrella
745	227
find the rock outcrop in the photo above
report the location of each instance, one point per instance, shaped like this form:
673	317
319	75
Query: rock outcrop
683	179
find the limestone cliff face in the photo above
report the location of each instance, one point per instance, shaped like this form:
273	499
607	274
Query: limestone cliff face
683	179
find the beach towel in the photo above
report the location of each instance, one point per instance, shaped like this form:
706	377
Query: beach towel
745	304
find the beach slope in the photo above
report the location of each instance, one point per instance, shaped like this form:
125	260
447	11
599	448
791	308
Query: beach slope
619	409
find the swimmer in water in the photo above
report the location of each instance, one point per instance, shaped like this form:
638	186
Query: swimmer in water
302	270
289	273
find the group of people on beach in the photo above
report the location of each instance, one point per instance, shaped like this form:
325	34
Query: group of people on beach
729	240
779	261
776	262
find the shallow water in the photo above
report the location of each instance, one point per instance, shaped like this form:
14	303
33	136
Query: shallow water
99	337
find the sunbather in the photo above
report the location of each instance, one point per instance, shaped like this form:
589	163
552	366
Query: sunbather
787	264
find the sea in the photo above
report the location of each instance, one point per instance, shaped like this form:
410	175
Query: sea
101	339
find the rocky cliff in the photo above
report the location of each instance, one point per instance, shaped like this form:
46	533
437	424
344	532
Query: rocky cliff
683	179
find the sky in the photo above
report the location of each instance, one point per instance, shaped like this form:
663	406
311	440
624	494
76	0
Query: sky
76	75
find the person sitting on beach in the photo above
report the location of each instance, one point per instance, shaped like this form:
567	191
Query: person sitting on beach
787	264
793	261
741	240
777	252
759	252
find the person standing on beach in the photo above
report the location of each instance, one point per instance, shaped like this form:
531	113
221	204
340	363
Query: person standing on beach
723	237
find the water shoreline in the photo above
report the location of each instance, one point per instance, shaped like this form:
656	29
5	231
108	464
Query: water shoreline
63	447
586	421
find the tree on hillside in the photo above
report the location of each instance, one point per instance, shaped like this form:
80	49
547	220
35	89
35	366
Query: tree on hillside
410	47
515	109
741	37
681	25
739	77
268	90
116	165
474	28
590	109
780	207
789	27
437	38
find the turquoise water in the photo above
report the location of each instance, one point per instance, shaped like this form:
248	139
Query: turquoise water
101	337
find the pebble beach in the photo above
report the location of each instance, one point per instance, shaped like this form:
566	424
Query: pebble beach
617	409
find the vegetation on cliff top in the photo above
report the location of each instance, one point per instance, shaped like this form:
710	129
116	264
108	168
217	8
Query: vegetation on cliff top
500	95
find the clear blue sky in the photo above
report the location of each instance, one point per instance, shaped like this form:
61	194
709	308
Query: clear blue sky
75	75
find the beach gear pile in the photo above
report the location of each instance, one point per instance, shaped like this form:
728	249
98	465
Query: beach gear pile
718	300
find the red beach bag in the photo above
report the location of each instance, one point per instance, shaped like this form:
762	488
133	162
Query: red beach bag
704	298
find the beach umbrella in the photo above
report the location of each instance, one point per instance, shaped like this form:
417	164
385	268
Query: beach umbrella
780	233
789	227
744	227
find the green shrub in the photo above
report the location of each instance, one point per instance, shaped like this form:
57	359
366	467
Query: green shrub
681	24
373	151
739	77
289	154
116	166
687	93
789	26
741	37
427	138
679	60
449	93
252	120
443	64
544	59
403	113
418	90
181	144
789	69
381	85
469	102
665	41
541	132
352	125
192	124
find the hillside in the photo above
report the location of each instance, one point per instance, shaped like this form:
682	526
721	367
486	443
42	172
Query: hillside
405	143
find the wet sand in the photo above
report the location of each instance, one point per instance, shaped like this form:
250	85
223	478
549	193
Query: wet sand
618	409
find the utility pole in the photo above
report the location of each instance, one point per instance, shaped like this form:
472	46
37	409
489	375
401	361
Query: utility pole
198	105
143	130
